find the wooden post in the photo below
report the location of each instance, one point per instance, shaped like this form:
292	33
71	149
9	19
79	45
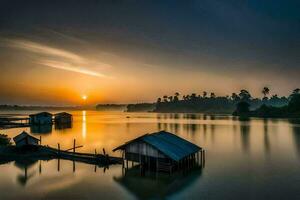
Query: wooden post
58	147
203	158
40	167
188	160
74	145
74	166
58	164
156	166
123	164
95	152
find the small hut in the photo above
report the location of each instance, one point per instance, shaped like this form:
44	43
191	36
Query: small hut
162	151
24	139
63	118
41	118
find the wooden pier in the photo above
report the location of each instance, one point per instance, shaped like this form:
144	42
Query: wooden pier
14	122
47	153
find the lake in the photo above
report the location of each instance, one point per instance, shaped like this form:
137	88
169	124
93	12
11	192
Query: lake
245	159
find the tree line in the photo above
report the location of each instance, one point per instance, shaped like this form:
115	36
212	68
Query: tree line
210	102
290	110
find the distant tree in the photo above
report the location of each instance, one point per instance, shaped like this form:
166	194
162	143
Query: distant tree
244	95
212	95
193	96
296	91
294	103
242	108
170	98
165	98
4	140
204	94
235	97
265	92
158	100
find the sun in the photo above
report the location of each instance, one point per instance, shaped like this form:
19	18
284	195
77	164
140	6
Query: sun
84	97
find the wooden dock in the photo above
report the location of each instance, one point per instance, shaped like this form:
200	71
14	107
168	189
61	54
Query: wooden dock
47	153
13	122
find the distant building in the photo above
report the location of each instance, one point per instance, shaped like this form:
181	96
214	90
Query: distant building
63	118
40	118
162	151
24	139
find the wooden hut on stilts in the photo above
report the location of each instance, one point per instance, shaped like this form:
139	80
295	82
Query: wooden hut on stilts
161	151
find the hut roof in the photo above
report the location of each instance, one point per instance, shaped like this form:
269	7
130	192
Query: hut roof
169	144
62	114
41	114
22	136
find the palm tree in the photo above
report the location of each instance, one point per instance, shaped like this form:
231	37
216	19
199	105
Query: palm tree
235	97
265	91
244	95
296	91
176	96
165	98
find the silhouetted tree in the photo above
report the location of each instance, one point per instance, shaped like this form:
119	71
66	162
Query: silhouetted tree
265	91
235	97
244	95
4	140
212	95
242	108
193	96
294	104
165	98
204	94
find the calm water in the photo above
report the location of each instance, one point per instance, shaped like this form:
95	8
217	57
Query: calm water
245	159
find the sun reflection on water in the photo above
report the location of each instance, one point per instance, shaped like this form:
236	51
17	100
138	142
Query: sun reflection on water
83	124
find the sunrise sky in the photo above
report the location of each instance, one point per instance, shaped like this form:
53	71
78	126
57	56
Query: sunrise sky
116	51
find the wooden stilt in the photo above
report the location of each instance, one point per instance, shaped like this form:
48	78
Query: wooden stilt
74	168
58	148
58	164
74	145
40	167
203	158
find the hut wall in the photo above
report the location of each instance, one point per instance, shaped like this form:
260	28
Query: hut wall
27	141
144	149
41	119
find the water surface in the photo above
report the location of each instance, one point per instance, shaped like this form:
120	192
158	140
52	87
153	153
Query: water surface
245	159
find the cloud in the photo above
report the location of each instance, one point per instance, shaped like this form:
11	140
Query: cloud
60	58
69	67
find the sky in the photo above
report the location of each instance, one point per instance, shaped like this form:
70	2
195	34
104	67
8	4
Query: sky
116	51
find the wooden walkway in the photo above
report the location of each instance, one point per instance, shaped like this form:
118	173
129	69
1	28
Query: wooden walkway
97	159
48	153
13	122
